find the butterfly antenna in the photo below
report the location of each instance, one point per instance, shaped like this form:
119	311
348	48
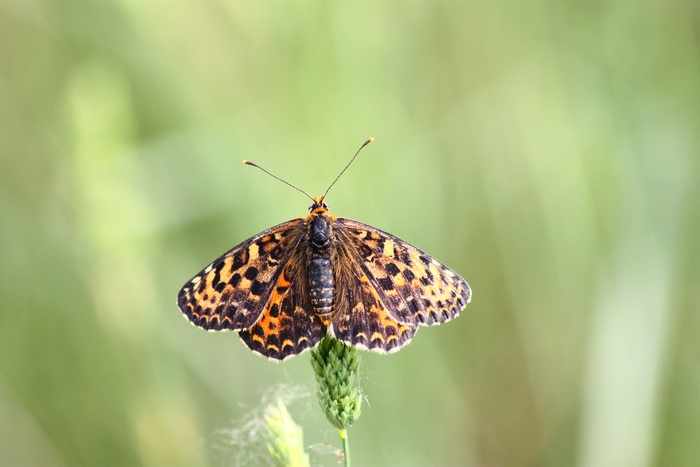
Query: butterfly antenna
346	167
275	176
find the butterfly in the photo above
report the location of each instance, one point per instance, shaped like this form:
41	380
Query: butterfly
286	288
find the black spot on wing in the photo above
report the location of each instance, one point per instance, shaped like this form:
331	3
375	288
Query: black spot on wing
251	273
408	275
392	269
386	283
257	288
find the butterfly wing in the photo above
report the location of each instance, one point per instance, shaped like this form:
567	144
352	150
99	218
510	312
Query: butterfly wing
397	283
287	326
231	293
361	317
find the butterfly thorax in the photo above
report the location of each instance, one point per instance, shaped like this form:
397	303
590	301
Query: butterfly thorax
321	277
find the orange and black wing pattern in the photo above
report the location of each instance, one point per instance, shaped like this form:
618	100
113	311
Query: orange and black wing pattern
386	288
287	325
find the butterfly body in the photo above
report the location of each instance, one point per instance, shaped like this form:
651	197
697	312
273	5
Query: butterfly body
284	289
321	278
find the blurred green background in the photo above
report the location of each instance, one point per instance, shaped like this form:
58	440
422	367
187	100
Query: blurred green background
548	151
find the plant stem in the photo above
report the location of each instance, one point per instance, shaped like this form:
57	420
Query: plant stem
337	369
346	446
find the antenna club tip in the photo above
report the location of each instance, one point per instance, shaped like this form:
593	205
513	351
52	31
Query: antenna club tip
370	140
245	161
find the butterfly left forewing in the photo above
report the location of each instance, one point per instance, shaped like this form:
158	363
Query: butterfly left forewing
231	293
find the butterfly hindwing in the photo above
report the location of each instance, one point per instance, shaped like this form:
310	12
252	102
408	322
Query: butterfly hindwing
414	287
361	318
231	293
287	325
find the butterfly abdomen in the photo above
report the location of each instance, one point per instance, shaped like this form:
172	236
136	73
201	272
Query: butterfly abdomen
321	285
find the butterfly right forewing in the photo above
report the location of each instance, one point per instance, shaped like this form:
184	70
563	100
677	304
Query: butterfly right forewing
392	288
414	286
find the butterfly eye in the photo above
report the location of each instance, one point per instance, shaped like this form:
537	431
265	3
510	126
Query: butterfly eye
316	204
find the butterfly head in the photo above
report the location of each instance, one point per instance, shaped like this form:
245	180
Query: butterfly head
318	206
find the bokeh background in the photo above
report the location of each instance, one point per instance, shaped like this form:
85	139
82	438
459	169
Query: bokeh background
548	151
